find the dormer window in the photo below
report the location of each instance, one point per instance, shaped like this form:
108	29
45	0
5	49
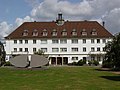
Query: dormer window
25	33
44	32
84	33
94	32
64	32
74	32
35	33
54	33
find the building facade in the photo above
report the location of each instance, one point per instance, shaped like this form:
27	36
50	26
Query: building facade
63	41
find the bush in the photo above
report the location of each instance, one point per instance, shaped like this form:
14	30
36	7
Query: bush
72	64
95	62
90	62
81	62
107	64
8	64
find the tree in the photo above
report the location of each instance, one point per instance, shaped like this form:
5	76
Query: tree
112	57
2	54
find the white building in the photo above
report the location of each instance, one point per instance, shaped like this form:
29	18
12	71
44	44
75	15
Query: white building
64	41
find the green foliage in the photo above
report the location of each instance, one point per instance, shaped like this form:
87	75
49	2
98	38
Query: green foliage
2	54
90	62
8	64
81	62
112	57
95	62
73	64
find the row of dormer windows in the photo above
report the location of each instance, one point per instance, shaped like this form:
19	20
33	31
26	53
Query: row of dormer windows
63	33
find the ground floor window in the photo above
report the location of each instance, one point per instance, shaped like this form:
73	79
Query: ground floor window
84	58
74	58
98	58
92	57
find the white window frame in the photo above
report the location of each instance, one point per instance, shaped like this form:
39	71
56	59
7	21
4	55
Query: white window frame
74	41
55	49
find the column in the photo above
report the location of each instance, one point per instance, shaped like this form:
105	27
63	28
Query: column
56	60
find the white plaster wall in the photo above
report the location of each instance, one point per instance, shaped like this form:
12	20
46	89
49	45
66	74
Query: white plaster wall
9	47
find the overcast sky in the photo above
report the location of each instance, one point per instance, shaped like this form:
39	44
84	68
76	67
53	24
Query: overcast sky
15	12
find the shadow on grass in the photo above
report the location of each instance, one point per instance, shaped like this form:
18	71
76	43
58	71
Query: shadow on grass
102	69
113	78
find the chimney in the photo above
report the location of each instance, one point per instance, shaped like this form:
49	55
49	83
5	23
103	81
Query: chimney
103	23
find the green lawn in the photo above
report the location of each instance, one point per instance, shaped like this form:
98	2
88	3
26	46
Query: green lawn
59	78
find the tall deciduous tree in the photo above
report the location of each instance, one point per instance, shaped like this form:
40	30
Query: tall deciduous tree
112	57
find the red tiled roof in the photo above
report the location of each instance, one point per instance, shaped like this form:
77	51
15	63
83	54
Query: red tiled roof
79	26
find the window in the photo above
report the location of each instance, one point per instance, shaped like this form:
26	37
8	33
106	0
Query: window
74	58
64	33
74	32
55	50
98	58
54	33
92	41
35	33
55	41
98	48
34	50
94	32
84	40
84	49
15	41
74	49
84	58
74	41
92	57
44	49
26	49
84	33
92	49
63	49
25	33
26	41
20	49
98	40
20	42
34	41
63	41
43	41
104	49
104	40
44	32
15	49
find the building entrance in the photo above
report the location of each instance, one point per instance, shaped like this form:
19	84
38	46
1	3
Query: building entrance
59	60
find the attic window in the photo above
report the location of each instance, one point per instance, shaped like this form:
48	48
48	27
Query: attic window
64	32
94	32
35	33
84	33
74	32
44	32
54	32
25	33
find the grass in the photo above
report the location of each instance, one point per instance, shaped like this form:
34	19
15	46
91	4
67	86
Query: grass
59	78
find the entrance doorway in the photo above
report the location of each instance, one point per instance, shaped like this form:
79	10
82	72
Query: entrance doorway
53	60
59	60
65	60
